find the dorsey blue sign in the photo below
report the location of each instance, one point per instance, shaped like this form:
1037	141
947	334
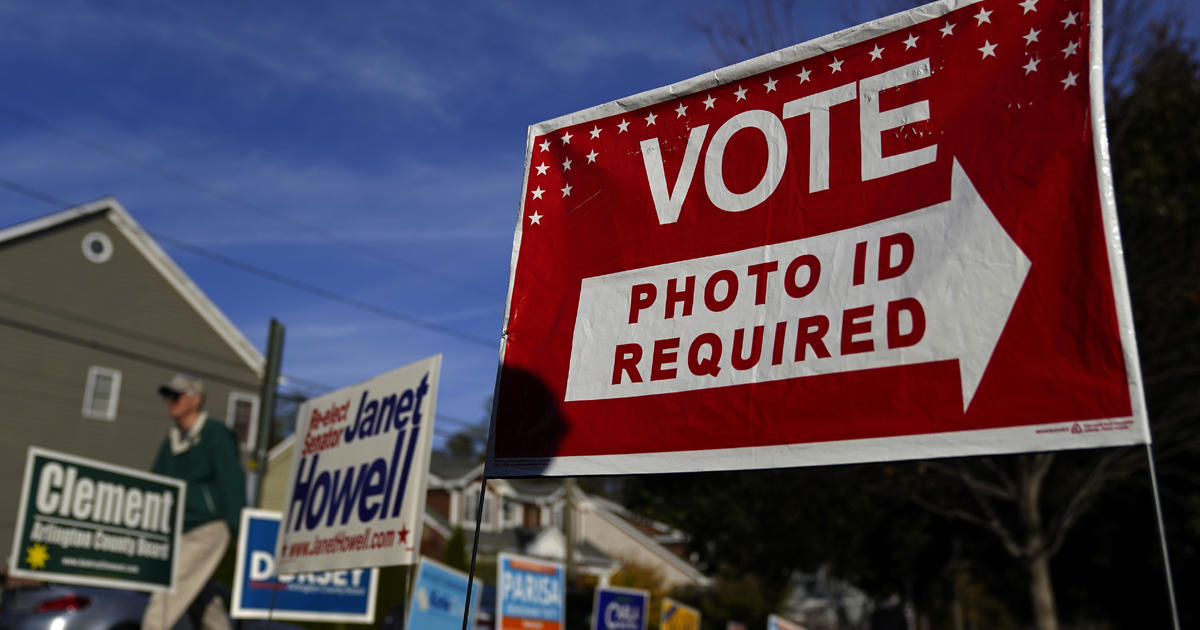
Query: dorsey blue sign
336	596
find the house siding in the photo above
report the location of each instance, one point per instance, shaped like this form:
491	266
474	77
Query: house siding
274	485
617	541
439	501
432	544
679	549
61	314
608	538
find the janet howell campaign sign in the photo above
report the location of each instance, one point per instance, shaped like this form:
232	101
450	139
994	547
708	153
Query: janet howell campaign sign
356	494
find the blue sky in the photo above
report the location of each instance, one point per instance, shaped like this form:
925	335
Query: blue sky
371	149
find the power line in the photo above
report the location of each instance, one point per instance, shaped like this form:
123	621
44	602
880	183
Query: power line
196	185
467	424
117	330
441	417
323	293
143	358
93	344
312	385
437	431
35	194
121	352
138	336
273	276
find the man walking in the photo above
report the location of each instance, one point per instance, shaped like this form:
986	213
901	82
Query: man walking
203	453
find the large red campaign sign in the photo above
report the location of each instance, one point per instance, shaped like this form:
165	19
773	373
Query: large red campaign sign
896	241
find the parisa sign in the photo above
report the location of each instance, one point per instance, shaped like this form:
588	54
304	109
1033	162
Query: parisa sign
530	593
356	494
83	521
345	596
896	241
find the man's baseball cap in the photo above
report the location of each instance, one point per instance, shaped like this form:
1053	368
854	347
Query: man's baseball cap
182	384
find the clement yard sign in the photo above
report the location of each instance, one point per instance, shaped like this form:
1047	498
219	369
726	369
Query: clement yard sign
88	522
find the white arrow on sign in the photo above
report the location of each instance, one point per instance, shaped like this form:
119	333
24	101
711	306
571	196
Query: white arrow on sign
643	331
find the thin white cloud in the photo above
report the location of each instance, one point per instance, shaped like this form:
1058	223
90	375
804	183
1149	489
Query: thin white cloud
283	50
409	201
571	37
449	88
326	330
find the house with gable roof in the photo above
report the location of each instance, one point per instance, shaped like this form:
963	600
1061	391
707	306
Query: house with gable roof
94	316
527	516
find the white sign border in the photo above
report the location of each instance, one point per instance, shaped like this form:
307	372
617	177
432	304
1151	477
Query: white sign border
434	365
903	447
27	484
1057	436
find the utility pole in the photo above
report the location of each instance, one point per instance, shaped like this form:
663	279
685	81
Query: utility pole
266	406
569	528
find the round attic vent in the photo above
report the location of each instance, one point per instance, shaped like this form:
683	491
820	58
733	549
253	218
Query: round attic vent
97	247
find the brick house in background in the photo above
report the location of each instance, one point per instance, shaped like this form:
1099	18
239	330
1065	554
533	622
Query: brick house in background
94	316
526	516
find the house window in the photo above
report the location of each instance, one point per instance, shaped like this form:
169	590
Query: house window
242	418
101	393
471	503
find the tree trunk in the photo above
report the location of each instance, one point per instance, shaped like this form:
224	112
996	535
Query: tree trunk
1031	475
1041	589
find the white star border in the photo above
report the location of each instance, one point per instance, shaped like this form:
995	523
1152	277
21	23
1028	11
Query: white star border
739	95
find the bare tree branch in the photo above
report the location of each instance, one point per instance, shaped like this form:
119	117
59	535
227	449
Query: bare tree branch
1010	543
1006	480
1081	500
958	472
990	489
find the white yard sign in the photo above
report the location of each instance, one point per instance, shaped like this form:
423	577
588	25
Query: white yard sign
356	493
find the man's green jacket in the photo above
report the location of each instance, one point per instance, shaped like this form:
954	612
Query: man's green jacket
207	459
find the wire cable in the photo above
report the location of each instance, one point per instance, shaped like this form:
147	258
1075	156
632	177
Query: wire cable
96	345
121	352
274	276
322	293
92	344
198	186
117	330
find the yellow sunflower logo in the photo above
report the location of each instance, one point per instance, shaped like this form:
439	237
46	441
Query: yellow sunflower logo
36	556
